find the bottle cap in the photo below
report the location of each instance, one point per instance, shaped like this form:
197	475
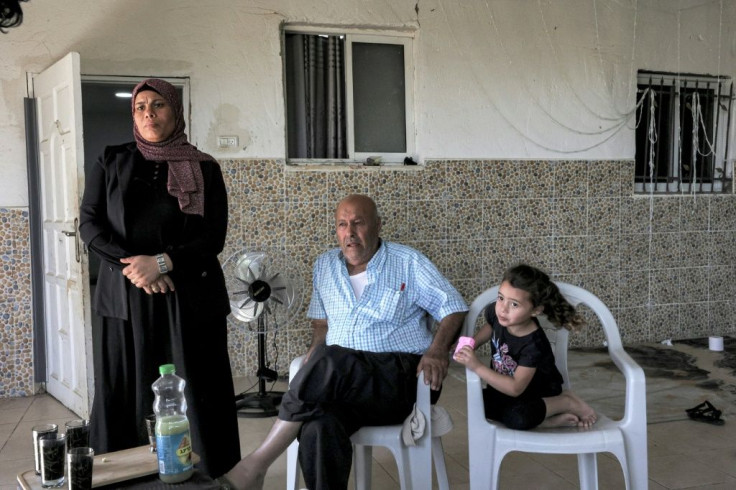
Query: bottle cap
166	369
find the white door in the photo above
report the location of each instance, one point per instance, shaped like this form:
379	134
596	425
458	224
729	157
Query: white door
58	93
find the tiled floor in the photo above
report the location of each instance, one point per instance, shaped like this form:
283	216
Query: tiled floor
683	454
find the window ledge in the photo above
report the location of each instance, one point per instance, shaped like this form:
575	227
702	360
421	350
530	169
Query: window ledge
342	165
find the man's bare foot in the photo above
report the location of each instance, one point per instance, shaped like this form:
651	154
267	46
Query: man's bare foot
250	472
561	420
242	477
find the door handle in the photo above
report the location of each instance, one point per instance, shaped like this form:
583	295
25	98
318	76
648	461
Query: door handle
73	233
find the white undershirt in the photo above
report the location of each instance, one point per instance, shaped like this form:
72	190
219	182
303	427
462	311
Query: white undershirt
358	282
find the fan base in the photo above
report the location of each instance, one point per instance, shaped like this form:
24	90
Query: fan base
258	405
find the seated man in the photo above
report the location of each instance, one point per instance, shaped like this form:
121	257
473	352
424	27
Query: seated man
370	341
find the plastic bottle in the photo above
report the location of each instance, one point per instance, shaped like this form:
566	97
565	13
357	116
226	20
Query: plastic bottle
173	441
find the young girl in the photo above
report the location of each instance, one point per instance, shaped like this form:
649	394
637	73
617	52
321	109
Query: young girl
524	386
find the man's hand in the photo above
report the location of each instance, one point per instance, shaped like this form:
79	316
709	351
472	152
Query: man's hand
319	336
435	361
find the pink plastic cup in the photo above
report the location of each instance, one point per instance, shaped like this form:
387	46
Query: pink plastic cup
463	341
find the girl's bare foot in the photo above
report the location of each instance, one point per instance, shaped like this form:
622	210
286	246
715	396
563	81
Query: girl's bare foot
567	409
561	420
584	412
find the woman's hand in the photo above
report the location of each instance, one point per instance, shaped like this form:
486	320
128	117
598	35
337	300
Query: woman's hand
163	284
466	356
142	270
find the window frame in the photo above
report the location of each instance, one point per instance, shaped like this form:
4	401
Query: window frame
376	36
718	127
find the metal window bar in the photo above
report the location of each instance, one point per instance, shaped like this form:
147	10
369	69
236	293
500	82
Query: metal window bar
662	137
698	168
715	133
643	118
724	175
680	136
723	170
641	166
674	168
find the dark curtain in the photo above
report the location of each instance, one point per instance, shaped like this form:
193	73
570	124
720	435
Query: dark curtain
315	96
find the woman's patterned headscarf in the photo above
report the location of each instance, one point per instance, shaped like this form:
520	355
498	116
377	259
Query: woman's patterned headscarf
185	175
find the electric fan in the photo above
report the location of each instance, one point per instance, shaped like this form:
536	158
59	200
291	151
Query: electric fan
264	295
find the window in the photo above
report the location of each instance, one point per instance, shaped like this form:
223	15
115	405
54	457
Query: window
348	96
682	133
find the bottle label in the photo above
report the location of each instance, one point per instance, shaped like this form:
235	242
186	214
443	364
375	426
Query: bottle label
174	453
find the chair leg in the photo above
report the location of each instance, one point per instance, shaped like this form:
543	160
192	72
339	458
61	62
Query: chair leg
484	462
496	468
363	466
438	455
621	457
292	466
588	471
638	472
417	471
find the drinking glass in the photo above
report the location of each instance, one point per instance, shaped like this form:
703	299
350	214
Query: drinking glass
151	428
39	432
53	452
77	433
79	468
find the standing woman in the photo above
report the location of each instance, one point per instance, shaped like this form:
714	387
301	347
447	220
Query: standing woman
155	211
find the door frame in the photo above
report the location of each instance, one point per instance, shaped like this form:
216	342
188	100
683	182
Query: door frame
36	246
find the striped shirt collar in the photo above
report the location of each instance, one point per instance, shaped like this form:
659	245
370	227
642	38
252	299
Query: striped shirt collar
375	264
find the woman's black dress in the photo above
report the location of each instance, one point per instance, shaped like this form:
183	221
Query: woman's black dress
161	328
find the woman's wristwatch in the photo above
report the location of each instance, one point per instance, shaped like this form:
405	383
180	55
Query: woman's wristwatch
162	268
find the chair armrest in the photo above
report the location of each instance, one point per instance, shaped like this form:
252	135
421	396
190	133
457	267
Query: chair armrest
635	405
476	409
636	398
423	396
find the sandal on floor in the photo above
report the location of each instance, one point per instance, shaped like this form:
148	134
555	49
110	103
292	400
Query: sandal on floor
705	412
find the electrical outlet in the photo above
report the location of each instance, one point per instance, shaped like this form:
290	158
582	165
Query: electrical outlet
227	141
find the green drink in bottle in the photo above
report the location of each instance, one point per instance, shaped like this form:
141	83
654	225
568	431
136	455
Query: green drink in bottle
173	441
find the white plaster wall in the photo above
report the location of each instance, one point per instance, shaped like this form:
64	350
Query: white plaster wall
494	78
555	79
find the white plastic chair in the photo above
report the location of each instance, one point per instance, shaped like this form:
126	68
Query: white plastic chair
414	462
489	441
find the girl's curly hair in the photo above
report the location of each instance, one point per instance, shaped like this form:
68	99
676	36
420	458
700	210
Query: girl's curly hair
544	292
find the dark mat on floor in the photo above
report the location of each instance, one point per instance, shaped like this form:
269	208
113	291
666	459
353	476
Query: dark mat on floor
678	376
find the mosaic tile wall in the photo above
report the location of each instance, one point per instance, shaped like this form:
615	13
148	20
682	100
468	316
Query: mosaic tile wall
671	277
668	277
16	326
